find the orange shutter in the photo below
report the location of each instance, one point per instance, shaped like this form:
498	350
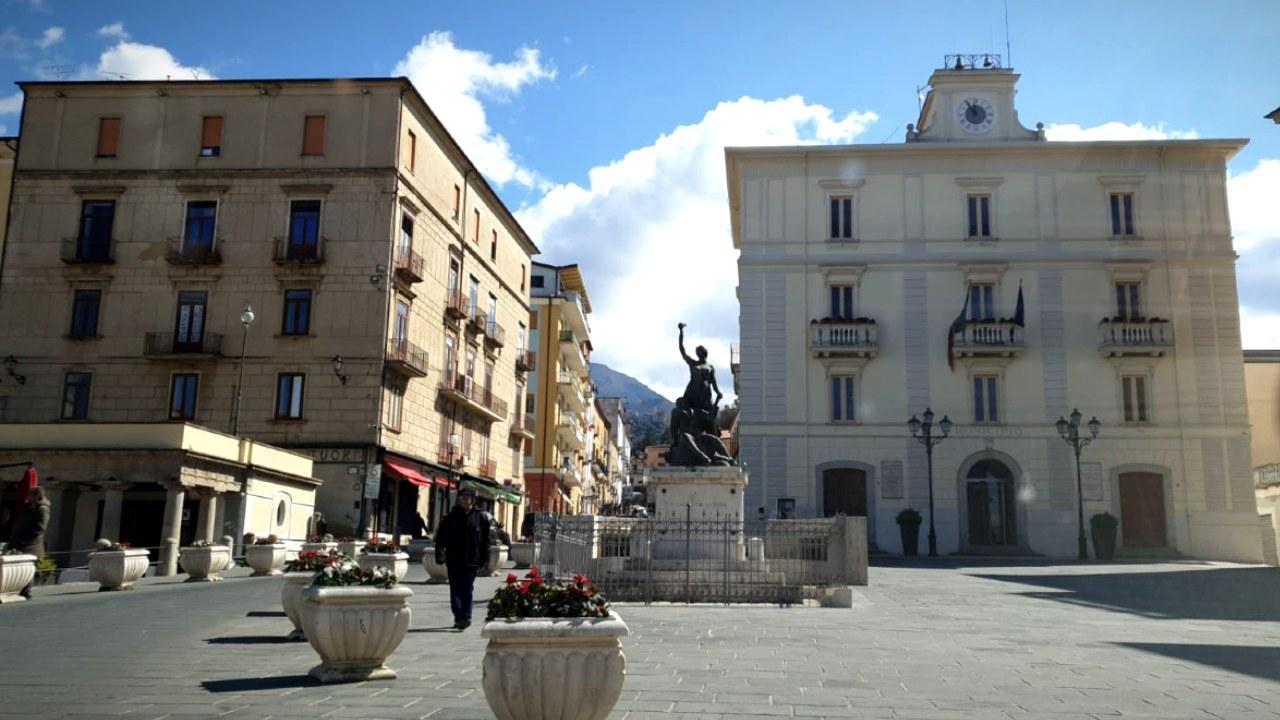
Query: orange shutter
533	319
313	135
108	136
413	151
211	133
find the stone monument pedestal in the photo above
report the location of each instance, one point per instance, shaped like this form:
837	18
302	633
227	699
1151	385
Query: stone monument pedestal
710	499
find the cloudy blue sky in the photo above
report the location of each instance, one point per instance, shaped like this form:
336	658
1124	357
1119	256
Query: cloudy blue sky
602	125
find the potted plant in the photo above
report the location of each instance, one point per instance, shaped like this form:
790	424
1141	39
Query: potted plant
436	572
17	569
202	560
383	554
298	574
116	566
524	554
320	543
1103	528
265	555
47	571
354	619
553	648
497	559
909	527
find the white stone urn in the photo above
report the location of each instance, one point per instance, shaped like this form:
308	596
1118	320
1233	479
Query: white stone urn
497	558
118	569
354	629
291	600
320	547
266	559
350	548
397	563
16	571
202	564
417	546
552	668
436	572
524	554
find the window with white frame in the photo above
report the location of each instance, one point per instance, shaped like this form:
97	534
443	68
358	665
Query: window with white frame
1122	214
979	215
982	301
1129	300
841	217
843	405
986	398
395	405
842	301
1134	390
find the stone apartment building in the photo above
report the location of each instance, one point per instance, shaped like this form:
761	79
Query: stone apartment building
1003	281
618	446
329	231
560	403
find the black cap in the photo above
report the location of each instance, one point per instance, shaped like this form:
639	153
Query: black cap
466	491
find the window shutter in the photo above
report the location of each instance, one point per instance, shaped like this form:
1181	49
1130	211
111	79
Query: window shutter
412	149
108	136
313	135
211	133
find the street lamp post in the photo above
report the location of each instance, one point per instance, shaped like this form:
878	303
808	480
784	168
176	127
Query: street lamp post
923	433
246	319
1070	432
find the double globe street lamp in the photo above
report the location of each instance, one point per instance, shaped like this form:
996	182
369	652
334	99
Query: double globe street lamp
1070	432
923	433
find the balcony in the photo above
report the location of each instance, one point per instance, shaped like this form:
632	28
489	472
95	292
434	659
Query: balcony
181	252
1139	337
451	456
478	321
462	389
158	345
571	388
409	266
989	338
455	305
287	252
488	469
406	358
82	251
844	337
568	337
523	425
494	335
526	360
570	476
570	430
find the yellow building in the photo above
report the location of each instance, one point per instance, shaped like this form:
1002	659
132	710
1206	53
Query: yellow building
387	282
1262	386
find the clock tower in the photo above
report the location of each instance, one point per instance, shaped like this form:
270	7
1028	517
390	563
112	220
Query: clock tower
971	100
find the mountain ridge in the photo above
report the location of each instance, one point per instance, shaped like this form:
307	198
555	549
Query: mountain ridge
647	411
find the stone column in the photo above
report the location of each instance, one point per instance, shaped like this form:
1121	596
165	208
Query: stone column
55	491
111	509
205	524
172	531
219	531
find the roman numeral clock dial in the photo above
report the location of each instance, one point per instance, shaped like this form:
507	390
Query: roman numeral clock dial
976	116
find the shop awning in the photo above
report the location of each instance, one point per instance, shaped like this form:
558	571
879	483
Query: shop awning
404	472
511	495
483	489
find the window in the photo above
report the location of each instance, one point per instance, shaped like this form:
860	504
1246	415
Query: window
96	220
450	357
297	313
493	315
211	136
182	396
986	405
1122	214
522	278
842	302
786	508
536	281
842	398
842	217
289	387
520	339
982	302
108	137
75	395
533	319
457	201
411	151
84	313
313	135
475	232
1134	388
1129	300
400	333
406	235
470	369
304	230
488	381
188	331
395	405
197	237
493	246
979	216
473	298
530	404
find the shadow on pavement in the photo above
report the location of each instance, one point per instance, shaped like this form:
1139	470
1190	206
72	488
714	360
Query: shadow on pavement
250	684
446	628
1259	662
1210	594
248	640
265	613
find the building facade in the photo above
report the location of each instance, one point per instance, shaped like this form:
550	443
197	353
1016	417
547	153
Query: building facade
618	447
329	232
1001	280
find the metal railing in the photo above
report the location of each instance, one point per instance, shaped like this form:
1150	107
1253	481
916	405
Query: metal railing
407	357
487	468
478	321
455	306
181	252
494	334
82	251
409	265
989	333
1142	333
526	360
160	343
450	456
288	251
463	386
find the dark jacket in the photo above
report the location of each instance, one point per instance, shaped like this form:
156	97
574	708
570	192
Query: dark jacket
28	529
463	538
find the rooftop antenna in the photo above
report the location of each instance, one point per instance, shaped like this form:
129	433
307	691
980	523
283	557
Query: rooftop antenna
1008	53
920	98
58	71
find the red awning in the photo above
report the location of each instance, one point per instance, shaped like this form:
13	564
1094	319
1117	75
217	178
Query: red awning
404	472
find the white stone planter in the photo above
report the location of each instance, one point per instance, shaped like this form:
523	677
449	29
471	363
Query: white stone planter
291	600
355	630
15	572
202	564
118	569
397	563
547	669
497	559
416	547
436	572
265	559
350	548
320	547
524	554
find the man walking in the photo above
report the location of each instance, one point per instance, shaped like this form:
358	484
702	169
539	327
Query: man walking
462	545
28	529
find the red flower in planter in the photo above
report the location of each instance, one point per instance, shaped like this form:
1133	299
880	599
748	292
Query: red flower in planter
511	578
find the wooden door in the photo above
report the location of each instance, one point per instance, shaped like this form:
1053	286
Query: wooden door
1142	510
844	491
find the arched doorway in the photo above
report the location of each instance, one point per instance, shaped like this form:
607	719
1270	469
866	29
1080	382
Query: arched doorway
991	503
1142	514
844	492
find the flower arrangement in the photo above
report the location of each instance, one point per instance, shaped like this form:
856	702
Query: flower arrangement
535	597
268	540
110	545
200	543
345	573
313	560
320	538
375	546
909	516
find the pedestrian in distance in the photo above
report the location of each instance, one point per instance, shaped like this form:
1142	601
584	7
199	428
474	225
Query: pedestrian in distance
29	527
462	546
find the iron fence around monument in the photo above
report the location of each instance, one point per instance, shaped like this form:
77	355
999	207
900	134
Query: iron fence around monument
783	562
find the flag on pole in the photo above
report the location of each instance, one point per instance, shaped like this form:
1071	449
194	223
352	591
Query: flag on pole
957	325
1020	314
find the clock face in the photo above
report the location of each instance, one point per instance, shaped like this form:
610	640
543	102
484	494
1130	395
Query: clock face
976	115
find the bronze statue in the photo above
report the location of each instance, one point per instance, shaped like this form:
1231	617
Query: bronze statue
694	439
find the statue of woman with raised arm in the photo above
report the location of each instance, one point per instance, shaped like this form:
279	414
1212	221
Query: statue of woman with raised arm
702	381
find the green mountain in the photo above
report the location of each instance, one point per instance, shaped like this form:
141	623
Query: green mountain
647	411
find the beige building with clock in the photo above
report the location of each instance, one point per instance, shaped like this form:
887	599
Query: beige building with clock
1003	281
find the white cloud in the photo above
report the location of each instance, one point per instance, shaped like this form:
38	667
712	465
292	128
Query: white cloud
453	79
114	30
50	37
1252	196
1259	328
1115	131
651	233
11	104
582	71
137	61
